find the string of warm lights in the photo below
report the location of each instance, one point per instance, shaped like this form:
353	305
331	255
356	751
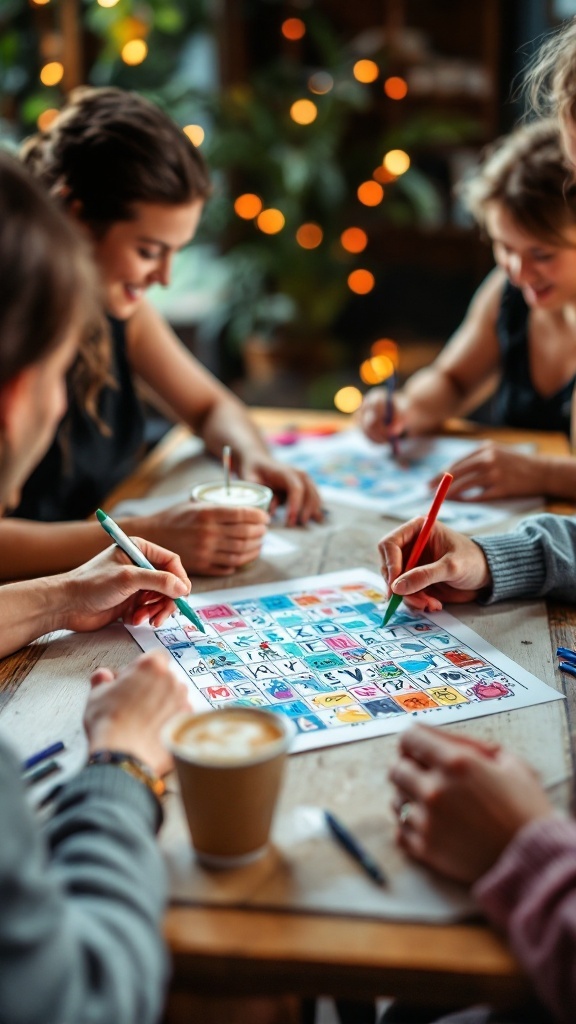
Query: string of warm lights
382	364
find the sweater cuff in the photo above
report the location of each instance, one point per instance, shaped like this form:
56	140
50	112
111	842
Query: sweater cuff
116	785
514	570
499	892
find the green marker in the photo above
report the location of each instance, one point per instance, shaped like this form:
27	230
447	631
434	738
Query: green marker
135	555
392	606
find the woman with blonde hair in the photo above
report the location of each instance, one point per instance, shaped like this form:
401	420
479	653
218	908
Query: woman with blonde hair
518	339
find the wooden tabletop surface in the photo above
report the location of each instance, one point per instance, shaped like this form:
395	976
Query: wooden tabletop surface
262	953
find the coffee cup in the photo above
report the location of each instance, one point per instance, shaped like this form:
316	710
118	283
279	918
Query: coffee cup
229	762
238	493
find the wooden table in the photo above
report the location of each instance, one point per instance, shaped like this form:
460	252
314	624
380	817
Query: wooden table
256	953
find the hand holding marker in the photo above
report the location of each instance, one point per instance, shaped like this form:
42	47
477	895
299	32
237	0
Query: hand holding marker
135	555
420	542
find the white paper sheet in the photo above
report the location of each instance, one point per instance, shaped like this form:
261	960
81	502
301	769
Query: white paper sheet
351	470
313	649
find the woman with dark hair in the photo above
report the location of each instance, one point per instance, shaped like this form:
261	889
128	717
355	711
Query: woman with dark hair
80	903
518	340
136	185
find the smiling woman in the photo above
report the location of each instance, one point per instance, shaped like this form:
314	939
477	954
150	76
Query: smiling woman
136	185
519	336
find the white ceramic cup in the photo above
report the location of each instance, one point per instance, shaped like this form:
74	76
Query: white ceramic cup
239	494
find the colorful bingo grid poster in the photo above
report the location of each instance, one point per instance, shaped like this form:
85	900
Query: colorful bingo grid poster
313	649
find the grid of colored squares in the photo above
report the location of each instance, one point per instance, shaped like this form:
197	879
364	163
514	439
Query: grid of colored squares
321	658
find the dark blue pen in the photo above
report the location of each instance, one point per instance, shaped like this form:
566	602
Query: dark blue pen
390	385
42	755
565	652
569	667
353	847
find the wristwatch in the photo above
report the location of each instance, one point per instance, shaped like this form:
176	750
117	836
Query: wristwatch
133	766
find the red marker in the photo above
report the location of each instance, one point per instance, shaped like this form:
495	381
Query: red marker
421	540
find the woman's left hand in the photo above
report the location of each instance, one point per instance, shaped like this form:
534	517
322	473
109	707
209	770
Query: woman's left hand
291	486
493	472
460	801
109	587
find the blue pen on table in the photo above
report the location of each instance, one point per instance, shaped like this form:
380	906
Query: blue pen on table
135	555
390	386
349	843
569	663
42	755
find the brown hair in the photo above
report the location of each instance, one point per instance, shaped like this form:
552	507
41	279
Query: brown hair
47	281
109	149
527	172
550	78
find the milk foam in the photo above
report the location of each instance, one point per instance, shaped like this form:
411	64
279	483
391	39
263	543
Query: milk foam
229	737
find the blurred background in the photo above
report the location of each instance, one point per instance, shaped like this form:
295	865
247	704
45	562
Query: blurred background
335	132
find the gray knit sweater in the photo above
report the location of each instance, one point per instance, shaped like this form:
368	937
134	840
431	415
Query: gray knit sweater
81	906
537	559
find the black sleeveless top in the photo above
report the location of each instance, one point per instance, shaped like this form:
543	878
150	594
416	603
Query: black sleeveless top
517	403
74	477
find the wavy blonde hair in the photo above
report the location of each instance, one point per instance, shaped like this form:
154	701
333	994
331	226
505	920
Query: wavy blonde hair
550	78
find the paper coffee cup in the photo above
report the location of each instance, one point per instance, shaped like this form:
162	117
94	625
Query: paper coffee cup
242	493
229	763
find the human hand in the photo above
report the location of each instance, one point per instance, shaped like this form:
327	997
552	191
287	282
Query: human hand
374	415
109	587
291	486
126	710
464	801
454	567
495	472
211	540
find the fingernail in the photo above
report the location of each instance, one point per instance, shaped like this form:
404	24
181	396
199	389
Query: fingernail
399	585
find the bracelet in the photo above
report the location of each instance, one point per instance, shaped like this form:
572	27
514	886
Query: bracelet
133	766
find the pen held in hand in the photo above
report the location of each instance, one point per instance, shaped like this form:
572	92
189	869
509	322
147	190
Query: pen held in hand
352	846
421	540
135	555
393	439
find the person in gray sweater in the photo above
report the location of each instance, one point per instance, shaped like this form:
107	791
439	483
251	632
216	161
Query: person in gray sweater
471	810
81	900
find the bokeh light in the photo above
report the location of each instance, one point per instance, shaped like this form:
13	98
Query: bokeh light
348	399
271	221
46	118
303	111
195	133
293	28
248	206
395	87
134	52
40	3
370	193
365	71
354	240
107	3
382	175
320	83
376	370
385	347
361	282
396	162
309	236
52	73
